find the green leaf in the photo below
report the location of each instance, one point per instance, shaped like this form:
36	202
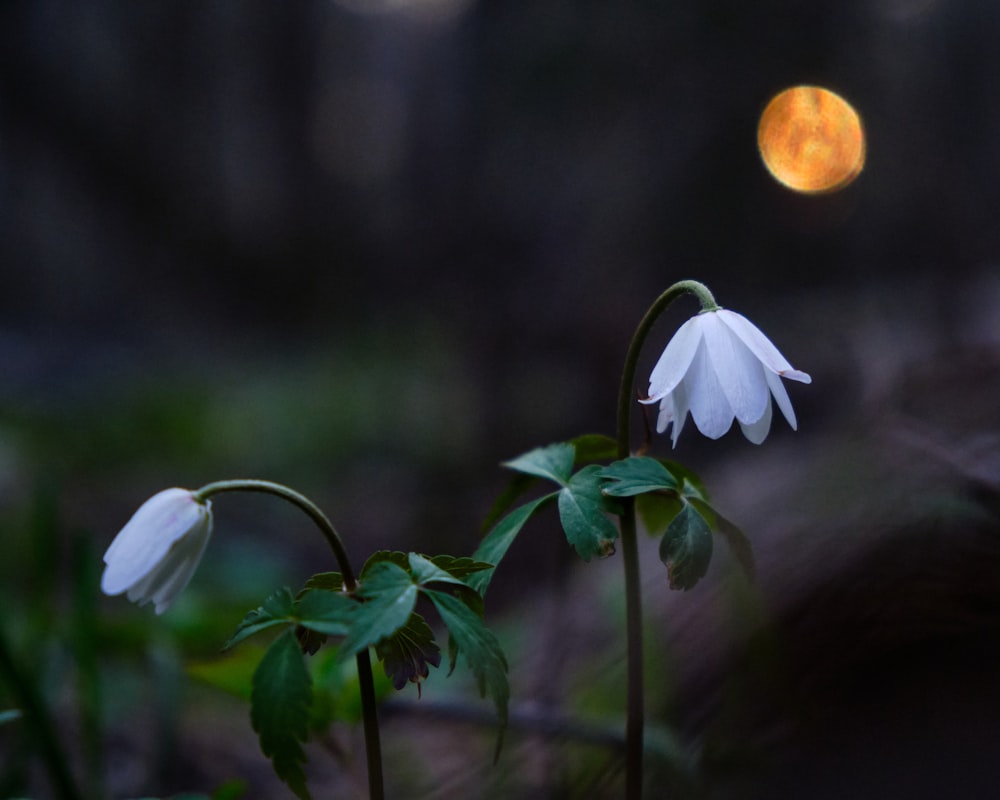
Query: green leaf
496	543
694	492
330	613
329	581
656	511
279	710
408	653
461	567
593	447
588	448
582	511
481	649
397	557
638	475
426	571
390	596
686	478
686	548
275	610
554	462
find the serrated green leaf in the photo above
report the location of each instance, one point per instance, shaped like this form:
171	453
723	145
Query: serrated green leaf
582	510
637	475
481	649
461	567
279	710
496	543
458	567
275	610
407	655
686	548
330	613
390	596
397	557
588	448
554	462
426	571
328	581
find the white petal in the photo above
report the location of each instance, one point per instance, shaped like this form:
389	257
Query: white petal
761	346
680	396
781	397
148	537
675	360
673	409
739	371
667	413
182	569
709	406
757	431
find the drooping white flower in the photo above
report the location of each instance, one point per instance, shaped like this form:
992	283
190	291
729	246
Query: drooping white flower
720	367
154	556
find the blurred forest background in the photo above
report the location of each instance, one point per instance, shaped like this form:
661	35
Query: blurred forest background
372	248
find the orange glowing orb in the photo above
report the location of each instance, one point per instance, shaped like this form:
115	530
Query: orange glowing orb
811	140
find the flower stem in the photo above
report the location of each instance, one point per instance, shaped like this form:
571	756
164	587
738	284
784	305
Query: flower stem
630	557
366	682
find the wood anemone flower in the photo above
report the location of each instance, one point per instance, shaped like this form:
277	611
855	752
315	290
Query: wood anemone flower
154	556
720	367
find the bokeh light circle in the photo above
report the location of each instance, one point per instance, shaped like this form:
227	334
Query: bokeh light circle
811	140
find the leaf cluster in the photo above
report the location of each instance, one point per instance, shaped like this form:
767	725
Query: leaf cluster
669	497
380	612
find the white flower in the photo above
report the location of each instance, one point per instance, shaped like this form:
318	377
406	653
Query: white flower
158	550
720	367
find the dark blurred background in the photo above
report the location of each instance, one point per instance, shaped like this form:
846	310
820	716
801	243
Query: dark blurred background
372	248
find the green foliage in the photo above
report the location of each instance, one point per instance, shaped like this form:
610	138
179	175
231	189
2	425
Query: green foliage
686	548
390	596
554	462
638	475
328	581
275	610
481	649
279	710
321	611
496	543
587	449
582	510
407	654
459	568
380	612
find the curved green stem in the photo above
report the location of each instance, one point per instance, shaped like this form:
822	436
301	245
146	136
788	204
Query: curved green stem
635	720
366	681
